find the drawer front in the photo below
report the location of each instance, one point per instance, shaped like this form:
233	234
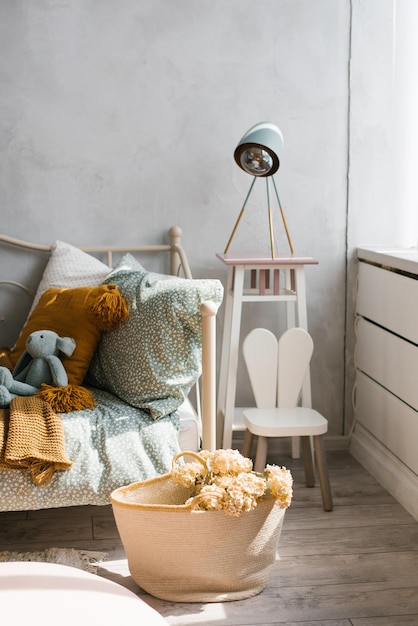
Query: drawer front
389	360
391	421
389	299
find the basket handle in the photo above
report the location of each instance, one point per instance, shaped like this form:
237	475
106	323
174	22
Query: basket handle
192	454
194	502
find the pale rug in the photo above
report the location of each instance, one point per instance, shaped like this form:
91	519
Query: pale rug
86	560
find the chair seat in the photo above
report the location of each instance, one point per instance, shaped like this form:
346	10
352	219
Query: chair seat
282	422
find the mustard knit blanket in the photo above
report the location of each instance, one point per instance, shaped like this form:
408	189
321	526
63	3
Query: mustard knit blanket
32	438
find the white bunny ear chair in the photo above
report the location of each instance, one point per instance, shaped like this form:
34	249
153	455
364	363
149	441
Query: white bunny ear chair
277	369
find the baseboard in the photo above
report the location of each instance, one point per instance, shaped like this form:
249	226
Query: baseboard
388	470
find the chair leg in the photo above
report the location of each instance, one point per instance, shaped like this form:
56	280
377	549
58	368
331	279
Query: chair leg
308	461
247	443
261	454
323	473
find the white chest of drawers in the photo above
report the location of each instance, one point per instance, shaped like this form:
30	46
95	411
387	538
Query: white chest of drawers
385	438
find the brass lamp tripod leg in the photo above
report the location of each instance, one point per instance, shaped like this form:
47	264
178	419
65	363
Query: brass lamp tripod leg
270	217
239	216
283	218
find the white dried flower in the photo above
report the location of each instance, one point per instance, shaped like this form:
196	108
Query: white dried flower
189	474
280	482
229	462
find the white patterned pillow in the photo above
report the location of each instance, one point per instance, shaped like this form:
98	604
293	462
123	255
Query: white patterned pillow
70	267
153	359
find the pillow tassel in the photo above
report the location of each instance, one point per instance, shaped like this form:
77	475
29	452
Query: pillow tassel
68	398
42	472
110	309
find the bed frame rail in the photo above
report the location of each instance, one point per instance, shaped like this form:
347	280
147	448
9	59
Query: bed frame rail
178	259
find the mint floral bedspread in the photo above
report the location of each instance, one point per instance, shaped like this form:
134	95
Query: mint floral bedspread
112	445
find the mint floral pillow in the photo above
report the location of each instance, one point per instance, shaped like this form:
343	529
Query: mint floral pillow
153	359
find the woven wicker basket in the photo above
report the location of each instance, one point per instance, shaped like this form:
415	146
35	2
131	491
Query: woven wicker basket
178	554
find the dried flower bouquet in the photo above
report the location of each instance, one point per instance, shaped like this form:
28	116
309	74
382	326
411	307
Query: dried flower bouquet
224	480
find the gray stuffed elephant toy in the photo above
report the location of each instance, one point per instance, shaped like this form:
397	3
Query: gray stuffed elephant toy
39	364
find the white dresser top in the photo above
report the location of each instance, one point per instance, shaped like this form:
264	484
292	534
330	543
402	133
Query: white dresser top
403	259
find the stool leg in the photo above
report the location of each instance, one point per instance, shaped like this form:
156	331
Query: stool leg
308	461
261	455
247	443
323	473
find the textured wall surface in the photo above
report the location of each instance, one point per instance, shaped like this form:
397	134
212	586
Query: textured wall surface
119	119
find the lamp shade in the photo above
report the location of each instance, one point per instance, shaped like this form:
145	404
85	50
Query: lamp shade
260	150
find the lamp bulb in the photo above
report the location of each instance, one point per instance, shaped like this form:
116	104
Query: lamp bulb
256	161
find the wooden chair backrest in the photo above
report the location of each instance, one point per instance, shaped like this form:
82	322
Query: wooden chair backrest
277	368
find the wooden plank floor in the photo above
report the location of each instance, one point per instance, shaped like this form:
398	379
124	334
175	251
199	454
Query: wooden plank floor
356	566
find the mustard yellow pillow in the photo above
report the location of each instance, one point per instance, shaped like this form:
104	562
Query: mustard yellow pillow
81	313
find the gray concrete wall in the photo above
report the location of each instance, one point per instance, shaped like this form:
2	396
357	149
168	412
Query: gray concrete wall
119	119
